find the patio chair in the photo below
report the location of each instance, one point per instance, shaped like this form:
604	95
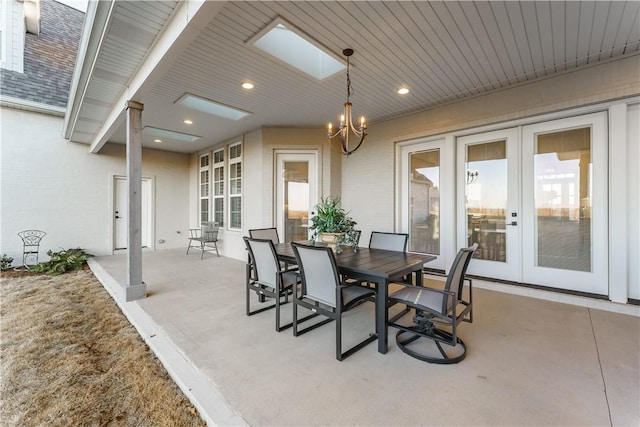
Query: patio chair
265	233
388	241
436	309
30	246
324	294
266	277
205	238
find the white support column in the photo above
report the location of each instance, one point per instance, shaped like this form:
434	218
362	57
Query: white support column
135	287
618	207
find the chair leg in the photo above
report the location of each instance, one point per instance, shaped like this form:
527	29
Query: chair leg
201	249
216	246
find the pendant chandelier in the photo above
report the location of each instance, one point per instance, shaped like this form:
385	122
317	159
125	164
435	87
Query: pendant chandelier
346	122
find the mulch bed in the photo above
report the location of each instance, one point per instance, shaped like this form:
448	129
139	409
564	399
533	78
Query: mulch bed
68	356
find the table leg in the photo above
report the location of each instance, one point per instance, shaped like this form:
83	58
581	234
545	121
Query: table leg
382	293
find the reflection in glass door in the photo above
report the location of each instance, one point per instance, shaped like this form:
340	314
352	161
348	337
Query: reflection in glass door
296	194
424	207
486	179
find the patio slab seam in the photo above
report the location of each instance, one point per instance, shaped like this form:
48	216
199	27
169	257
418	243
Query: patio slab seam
197	387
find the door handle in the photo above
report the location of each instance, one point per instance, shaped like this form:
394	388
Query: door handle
513	223
117	217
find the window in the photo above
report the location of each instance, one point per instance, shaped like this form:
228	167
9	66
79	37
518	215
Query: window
235	186
218	186
204	188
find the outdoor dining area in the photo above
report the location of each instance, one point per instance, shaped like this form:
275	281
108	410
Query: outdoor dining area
530	361
328	281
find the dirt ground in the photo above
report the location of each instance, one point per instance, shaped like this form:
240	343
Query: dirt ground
68	356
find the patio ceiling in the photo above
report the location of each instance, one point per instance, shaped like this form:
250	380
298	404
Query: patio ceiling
442	51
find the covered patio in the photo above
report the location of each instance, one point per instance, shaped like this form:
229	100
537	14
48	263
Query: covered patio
533	358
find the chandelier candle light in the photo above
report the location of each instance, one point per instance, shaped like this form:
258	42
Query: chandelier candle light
346	122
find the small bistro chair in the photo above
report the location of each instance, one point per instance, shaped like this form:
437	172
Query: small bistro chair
30	246
436	309
205	238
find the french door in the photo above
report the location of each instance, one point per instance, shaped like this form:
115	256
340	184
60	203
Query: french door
534	199
296	193
565	179
426	202
488	192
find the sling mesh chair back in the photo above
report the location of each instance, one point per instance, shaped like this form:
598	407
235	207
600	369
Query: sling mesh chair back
436	309
265	233
388	241
324	294
205	238
267	278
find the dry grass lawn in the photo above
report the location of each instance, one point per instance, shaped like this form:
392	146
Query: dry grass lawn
68	356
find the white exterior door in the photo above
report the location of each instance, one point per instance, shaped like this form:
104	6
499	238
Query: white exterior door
488	197
564	187
120	212
425	207
296	193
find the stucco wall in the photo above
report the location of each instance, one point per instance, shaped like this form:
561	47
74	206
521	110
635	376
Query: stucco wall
62	189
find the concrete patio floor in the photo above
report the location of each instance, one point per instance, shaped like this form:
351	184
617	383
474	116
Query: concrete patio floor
531	361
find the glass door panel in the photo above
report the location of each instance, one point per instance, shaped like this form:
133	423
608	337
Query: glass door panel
486	179
296	193
424	205
296	200
562	207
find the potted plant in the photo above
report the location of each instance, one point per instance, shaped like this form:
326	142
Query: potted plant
332	224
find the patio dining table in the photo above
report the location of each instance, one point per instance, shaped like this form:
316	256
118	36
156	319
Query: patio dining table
376	266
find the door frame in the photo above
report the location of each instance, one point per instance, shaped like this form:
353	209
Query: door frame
310	154
151	202
511	269
596	281
447	197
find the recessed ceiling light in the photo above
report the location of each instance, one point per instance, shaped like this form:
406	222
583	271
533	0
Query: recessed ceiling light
403	91
187	122
157	140
211	107
247	85
169	134
287	43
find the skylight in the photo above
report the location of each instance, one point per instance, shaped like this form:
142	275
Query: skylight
288	44
169	134
211	107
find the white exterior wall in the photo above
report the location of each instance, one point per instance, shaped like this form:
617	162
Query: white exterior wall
368	177
56	186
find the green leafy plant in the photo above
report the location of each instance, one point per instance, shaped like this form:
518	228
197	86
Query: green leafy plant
5	262
61	262
331	217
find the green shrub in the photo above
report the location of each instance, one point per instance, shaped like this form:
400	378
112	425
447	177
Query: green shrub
5	262
61	262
